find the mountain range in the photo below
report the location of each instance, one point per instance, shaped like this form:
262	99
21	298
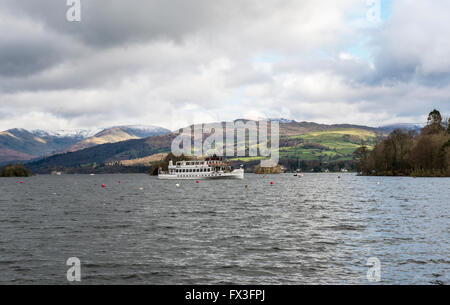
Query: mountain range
298	140
20	145
84	151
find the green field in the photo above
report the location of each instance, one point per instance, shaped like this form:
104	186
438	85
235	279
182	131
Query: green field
330	145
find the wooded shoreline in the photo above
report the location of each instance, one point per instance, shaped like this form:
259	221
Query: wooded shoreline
417	154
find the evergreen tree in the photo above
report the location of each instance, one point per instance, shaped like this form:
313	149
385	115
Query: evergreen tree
434	123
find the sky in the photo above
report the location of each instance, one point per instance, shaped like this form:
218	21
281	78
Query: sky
178	62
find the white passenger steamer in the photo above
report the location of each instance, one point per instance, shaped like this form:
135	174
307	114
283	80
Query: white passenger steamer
212	168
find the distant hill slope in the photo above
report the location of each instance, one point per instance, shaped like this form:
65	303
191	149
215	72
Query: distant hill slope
118	134
296	128
8	155
105	153
304	140
331	145
402	126
21	145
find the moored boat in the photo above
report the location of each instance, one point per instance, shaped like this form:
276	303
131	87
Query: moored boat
210	168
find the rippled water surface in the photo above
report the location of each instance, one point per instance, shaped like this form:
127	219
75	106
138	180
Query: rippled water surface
317	229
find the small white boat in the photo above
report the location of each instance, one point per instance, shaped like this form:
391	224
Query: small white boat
298	173
200	169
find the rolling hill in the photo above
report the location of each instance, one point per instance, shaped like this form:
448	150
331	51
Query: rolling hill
334	144
330	145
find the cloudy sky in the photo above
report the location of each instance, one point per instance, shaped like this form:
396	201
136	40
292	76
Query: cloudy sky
174	62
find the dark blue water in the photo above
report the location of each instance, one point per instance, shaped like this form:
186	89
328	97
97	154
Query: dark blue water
312	230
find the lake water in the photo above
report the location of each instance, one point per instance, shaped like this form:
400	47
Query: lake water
317	229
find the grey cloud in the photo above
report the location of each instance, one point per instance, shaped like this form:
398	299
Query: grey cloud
24	59
106	23
26	48
221	27
177	62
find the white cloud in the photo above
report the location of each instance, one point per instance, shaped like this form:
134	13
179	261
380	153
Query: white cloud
172	65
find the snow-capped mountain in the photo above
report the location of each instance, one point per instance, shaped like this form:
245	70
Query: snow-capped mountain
118	134
144	131
74	133
22	145
403	126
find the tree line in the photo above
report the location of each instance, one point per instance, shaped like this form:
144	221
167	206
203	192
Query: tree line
409	153
17	170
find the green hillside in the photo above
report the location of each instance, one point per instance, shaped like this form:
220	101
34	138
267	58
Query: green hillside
331	145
